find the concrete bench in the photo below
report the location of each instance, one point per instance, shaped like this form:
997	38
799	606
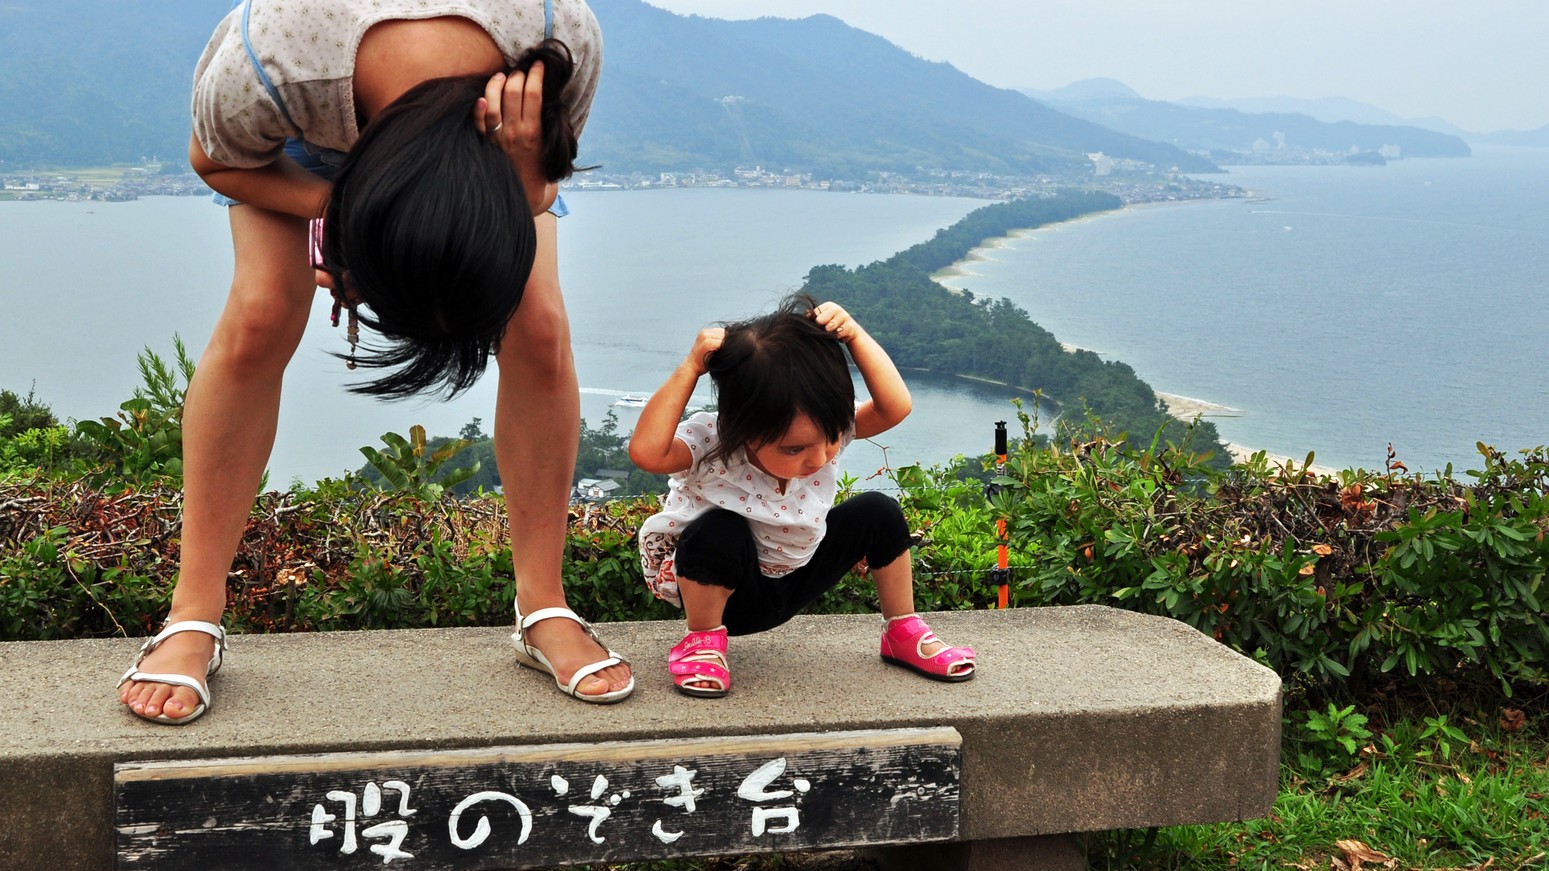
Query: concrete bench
1080	719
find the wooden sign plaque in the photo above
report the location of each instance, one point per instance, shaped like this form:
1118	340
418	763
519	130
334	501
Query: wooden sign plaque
540	806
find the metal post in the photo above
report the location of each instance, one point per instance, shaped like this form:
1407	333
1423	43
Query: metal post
1000	576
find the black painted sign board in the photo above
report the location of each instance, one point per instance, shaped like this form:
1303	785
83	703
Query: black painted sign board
541	806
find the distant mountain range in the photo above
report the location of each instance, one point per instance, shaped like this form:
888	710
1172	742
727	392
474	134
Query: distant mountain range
91	82
1334	109
1223	131
682	92
1538	138
98	81
1331	110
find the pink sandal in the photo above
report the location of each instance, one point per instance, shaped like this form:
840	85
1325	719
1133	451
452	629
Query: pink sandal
904	641
701	658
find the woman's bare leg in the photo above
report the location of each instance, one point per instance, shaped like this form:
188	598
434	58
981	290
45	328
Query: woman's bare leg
537	430
229	422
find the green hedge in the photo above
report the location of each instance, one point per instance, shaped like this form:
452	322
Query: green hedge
1327	579
1324	578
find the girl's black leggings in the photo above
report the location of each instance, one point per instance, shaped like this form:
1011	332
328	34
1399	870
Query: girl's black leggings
718	548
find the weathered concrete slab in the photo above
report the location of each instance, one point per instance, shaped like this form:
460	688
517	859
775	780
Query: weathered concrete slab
1081	719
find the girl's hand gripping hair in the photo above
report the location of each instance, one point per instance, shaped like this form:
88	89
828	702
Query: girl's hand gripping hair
510	112
890	402
654	446
832	317
706	343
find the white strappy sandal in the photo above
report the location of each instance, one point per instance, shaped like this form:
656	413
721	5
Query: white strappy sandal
533	658
201	688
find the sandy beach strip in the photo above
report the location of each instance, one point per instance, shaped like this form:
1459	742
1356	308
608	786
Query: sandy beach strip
951	276
1187	408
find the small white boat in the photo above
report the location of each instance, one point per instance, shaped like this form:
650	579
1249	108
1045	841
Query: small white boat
632	400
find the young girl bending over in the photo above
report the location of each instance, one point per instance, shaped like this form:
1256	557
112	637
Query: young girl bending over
749	534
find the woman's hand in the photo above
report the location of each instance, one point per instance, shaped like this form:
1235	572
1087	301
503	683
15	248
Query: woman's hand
510	112
833	318
706	343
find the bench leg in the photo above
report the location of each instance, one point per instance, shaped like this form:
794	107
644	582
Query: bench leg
1040	853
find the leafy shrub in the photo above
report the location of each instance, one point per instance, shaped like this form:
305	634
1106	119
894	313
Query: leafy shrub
409	465
21	413
35	451
32	440
1325	578
36	588
144	441
1443	737
602	574
602	452
1333	737
1330	580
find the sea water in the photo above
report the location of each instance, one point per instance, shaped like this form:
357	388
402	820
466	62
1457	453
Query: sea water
1334	310
85	286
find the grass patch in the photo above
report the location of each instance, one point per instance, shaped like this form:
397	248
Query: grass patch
1468	793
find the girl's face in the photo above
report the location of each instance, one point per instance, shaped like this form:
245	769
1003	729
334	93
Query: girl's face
802	451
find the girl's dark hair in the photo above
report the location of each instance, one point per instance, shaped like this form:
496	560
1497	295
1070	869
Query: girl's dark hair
773	367
429	227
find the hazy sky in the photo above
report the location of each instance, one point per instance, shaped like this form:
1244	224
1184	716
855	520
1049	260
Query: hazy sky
1482	66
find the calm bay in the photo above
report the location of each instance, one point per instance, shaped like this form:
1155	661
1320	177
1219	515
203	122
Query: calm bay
87	285
1336	310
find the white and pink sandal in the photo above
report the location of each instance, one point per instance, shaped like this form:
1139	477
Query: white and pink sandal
699	666
904	642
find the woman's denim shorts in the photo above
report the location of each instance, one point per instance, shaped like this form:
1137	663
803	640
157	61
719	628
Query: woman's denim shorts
324	163
321	162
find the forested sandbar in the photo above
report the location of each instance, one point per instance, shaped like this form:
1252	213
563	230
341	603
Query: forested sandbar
1184	408
963	268
947	276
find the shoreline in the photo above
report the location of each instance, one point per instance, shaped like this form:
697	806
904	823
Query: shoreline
1184	408
959	269
979	254
1188	408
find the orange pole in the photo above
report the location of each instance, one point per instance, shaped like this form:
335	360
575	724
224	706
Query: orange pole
1002	557
1002	563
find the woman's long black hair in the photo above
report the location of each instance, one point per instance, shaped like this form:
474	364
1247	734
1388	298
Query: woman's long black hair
428	226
